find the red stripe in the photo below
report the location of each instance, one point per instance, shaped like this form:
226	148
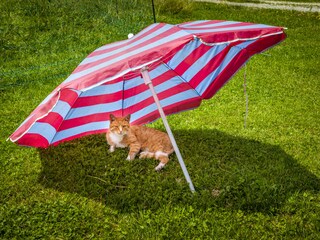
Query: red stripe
95	77
33	140
98	117
126	42
163	95
200	23
117	80
100	99
212	65
143	87
154	39
68	95
110	46
213	28
234	65
75	122
70	123
192	58
41	110
227	36
177	107
173	108
113	97
135	60
263	44
181	106
53	118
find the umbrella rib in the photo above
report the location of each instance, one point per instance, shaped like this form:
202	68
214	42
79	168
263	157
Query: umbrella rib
238	39
182	79
122	103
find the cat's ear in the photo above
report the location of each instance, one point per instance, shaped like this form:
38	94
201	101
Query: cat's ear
112	118
127	118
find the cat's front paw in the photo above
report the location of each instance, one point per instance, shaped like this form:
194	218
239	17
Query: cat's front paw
111	149
130	158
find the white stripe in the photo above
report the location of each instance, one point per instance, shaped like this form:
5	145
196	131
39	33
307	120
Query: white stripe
202	62
105	124
103	90
160	42
136	99
190	24
100	89
59	107
127	46
120	74
111	45
62	108
183	53
94	126
213	25
240	39
94	109
164	102
14	140
137	81
43	129
42	103
126	103
217	30
202	87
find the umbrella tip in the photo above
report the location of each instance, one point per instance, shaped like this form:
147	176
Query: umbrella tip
130	35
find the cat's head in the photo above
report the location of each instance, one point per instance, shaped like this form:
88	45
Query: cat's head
119	125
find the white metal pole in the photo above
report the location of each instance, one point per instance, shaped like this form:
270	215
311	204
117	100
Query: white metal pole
147	80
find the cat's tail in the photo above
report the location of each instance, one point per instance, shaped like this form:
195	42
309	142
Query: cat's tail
162	156
148	154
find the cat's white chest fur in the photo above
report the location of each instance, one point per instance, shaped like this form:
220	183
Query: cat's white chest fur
116	139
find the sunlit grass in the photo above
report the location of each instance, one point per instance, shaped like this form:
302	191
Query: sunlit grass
261	182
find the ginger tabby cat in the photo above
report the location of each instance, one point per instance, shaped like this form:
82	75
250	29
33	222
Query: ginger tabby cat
151	142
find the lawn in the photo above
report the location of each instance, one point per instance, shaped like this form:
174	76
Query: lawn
258	182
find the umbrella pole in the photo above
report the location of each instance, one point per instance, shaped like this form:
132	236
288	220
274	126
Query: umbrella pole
147	80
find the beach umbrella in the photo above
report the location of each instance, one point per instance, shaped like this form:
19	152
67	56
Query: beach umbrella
161	70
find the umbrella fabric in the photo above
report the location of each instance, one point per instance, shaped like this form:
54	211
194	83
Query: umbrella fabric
187	63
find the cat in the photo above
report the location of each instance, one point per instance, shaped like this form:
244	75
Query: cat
151	142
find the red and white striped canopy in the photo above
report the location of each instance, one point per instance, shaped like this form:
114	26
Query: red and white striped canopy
187	63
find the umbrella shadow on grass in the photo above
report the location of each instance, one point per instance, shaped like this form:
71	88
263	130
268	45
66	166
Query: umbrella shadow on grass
227	171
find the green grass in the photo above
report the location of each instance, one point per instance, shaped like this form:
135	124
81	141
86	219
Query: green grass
261	182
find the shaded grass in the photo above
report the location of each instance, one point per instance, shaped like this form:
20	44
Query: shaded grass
238	174
256	183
